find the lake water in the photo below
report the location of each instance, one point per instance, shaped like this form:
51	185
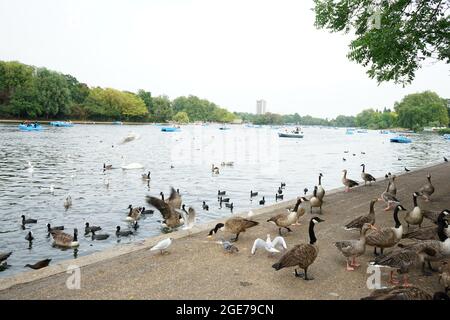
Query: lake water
71	159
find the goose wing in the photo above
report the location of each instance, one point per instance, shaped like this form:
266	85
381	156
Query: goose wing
61	237
174	199
382	237
301	254
4	256
258	244
358	222
389	197
398	258
345	246
351	183
369	177
163	207
427	233
279	241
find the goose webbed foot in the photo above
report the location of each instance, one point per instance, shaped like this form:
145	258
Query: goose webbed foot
349	267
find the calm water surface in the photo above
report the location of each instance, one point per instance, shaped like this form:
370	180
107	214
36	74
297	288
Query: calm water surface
71	159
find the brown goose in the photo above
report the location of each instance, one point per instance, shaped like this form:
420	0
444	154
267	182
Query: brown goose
390	200
348	183
174	199
284	220
169	213
302	255
39	264
315	201
415	216
354	248
367	177
233	225
427	189
65	240
357	224
386	237
399	293
320	189
392	187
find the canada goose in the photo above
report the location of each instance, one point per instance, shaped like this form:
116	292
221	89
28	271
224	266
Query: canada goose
427	189
415	216
390	200
358	223
436	249
392	189
354	248
39	264
280	191
320	189
253	194
221	199
65	240
29	237
262	201
444	275
269	245
301	255
300	208
278	197
27	221
57	228
68	202
143	211
283	185
162	245
315	202
174	199
99	237
120	233
230	206
234	225
348	183
367	177
305	191
205	206
107	167
221	193
386	237
214	170
284	220
4	256
134	214
146	177
88	229
434	216
399	293
169	213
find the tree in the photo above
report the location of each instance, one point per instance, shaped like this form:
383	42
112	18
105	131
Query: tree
162	109
422	109
181	117
52	93
146	96
392	37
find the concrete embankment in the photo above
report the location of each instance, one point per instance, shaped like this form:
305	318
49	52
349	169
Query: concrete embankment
198	268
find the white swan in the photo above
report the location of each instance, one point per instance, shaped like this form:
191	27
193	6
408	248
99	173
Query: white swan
132	166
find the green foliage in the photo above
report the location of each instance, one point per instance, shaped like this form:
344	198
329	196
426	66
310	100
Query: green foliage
162	109
52	93
201	109
374	119
392	38
146	96
444	131
418	110
181	117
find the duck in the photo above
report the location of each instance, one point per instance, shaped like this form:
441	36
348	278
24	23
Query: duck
146	176
302	255
320	189
253	194
39	265
390	200
427	189
386	237
68	202
278	197
269	245
262	201
415	216
214	170
358	223
57	228
348	183
65	240
367	177
222	199
205	206
143	211
221	193
162	245
29	237
284	220
120	233
5	256
107	166
437	250
88	228
134	214
315	202
27	221
444	275
280	191
235	225
354	248
401	293
392	189
230	206
99	237
170	214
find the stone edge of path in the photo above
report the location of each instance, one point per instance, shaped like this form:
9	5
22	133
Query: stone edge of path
123	249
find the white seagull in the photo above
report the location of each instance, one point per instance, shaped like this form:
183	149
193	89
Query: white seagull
188	219
162	245
269	245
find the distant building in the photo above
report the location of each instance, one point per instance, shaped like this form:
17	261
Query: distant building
261	106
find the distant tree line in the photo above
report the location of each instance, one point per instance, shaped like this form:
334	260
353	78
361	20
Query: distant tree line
415	111
27	92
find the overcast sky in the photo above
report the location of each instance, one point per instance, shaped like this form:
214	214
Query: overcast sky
231	52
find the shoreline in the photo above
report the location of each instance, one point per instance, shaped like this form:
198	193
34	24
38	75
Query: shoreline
119	252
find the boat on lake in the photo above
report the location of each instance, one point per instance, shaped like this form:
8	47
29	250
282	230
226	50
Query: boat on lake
384	131
170	129
30	127
349	131
446	136
401	139
290	135
61	124
117	123
224	128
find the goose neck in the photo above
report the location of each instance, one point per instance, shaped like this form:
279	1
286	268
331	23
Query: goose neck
312	235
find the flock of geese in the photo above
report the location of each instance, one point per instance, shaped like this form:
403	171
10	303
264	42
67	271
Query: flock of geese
428	244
